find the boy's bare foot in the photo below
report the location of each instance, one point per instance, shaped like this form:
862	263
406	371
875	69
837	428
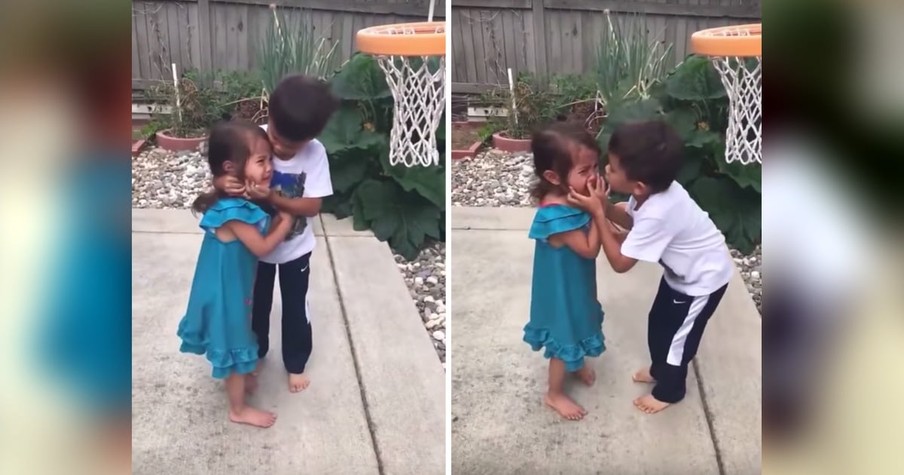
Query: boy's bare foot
254	417
298	382
587	375
643	376
650	404
565	406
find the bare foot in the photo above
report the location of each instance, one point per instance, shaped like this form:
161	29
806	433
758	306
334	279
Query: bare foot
251	383
643	376
254	417
298	382
650	404
565	406
587	375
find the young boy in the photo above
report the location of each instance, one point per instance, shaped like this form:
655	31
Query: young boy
299	110
665	226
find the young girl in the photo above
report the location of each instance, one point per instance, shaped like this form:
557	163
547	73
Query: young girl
218	320
565	317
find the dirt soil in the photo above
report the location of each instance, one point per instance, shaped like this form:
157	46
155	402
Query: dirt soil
464	137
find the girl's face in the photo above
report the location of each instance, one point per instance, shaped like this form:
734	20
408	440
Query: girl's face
258	167
585	167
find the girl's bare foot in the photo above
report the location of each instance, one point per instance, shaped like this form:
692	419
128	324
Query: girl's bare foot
251	416
650	404
587	375
643	376
298	382
565	406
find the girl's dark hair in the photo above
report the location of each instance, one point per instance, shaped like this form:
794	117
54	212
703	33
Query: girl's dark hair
553	147
228	142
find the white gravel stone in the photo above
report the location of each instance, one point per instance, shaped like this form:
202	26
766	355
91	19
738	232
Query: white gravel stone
429	298
499	179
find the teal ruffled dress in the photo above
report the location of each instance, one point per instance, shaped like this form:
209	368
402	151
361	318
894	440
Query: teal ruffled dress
565	316
218	320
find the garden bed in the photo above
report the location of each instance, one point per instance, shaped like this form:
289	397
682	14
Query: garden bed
465	139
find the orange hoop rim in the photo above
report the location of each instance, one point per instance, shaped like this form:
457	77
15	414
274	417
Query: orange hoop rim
725	41
426	40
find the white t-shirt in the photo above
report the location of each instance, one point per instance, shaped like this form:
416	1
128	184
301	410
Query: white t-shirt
306	175
671	229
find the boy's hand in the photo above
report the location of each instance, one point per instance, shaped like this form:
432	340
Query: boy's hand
599	189
257	192
590	203
230	185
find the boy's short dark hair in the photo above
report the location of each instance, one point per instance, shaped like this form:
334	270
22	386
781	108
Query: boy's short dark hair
301	106
650	152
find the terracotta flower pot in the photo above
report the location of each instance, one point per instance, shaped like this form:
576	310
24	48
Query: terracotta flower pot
177	144
508	144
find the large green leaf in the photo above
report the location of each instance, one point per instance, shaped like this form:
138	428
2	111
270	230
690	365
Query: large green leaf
704	139
647	109
403	219
429	182
695	79
338	204
684	121
691	169
361	79
348	172
735	211
345	131
746	176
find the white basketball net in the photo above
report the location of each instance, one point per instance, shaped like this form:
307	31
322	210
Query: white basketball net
742	78
419	102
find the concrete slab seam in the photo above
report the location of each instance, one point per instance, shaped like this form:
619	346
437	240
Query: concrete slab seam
351	343
707	413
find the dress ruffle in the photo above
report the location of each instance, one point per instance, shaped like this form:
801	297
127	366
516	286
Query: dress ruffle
572	355
233	209
556	219
225	362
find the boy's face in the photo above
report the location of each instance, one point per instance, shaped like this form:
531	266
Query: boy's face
283	148
618	180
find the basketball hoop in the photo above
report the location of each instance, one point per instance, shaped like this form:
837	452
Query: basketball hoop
413	57
737	53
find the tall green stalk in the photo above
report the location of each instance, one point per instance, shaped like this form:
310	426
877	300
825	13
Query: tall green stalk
629	60
291	47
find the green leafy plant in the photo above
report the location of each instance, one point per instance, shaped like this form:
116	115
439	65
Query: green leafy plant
532	106
404	206
693	101
204	99
629	61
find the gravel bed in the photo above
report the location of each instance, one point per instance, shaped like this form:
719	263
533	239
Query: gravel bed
162	179
426	280
497	179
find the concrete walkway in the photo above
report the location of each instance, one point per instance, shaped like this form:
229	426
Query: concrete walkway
499	423
376	404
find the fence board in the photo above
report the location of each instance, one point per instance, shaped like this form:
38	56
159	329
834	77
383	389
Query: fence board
226	34
562	36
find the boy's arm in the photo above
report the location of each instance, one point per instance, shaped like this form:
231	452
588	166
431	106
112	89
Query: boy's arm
619	216
308	207
611	246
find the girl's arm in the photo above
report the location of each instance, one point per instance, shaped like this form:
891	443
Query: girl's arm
258	244
585	244
611	245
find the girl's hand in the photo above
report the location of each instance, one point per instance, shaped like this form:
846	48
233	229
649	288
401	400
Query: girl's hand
285	219
258	192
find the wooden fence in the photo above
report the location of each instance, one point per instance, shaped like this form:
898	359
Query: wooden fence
562	36
225	35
